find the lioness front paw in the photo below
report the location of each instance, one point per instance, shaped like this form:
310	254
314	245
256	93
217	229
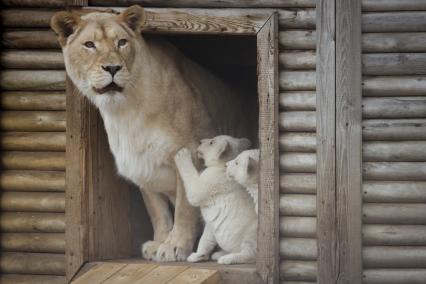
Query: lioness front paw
183	154
197	257
168	252
149	250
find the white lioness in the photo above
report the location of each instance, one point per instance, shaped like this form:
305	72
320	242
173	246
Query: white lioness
244	169
227	209
153	101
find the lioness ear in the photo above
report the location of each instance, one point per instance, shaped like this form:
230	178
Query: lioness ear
64	25
134	17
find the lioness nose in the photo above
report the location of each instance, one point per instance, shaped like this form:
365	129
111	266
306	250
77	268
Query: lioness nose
112	69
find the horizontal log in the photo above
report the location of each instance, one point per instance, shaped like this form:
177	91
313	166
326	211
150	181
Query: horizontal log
32	100
297	80
394	86
394	151
45	161
394	129
394	257
32	141
32	120
394	235
31	279
30	39
393	5
298	121
18	242
394	191
33	201
298	162
35	3
393	42
388	64
394	213
32	263
394	170
26	80
301	205
297	18
32	181
394	107
298	100
20	59
298	248
298	227
394	276
298	142
26	222
298	270
298	183
303	39
26	18
298	60
394	22
207	4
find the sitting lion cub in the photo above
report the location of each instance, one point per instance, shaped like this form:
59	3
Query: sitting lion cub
244	169
230	219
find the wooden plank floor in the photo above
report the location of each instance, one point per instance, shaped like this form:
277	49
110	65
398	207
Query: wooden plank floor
144	273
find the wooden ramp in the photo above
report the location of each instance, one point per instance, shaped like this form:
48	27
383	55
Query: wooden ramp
144	273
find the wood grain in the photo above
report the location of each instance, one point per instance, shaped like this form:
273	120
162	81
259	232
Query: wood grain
45	161
388	64
38	39
30	80
32	120
301	205
393	5
20	59
394	107
33	201
33	242
394	213
297	121
394	129
394	191
394	86
394	235
298	248
393	42
31	279
297	80
394	257
32	100
394	22
32	141
297	270
298	100
298	183
32	181
268	230
298	227
395	171
32	263
298	39
394	276
298	162
25	222
394	151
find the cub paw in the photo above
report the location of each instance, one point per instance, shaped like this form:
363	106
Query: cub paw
149	250
218	254
197	257
227	259
182	155
168	252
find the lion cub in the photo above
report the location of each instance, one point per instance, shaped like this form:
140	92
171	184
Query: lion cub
245	170
230	219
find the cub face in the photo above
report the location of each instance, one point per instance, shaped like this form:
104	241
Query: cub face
100	49
220	149
244	168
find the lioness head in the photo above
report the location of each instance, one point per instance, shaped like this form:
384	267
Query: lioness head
100	49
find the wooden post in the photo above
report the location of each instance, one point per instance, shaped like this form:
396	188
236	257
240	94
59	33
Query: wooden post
268	230
348	141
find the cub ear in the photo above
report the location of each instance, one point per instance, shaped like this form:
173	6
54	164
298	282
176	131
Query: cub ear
245	144
224	151
64	24
252	166
134	17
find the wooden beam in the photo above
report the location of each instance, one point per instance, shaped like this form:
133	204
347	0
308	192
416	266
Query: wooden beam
268	229
348	142
326	170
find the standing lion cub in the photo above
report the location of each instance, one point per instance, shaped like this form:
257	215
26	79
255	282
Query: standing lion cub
153	101
227	209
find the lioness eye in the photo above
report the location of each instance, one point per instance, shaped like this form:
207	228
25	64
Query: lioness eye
89	44
122	42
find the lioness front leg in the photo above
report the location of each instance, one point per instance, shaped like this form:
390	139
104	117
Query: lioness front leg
161	219
180	242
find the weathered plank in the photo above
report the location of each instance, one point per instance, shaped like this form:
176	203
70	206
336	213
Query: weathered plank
32	141
45	161
268	259
394	107
32	263
297	80
394	170
394	191
298	270
388	64
196	276
298	100
32	181
32	101
33	242
394	86
298	162
394	22
298	121
393	42
130	273
298	227
298	183
26	18
298	248
298	39
394	235
301	205
26	80
39	39
393	5
31	279
394	151
394	257
297	142
298	60
32	120
394	276
33	201
394	129
20	59
99	273
394	213
25	222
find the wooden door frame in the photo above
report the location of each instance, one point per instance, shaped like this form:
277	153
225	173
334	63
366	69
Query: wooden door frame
86	174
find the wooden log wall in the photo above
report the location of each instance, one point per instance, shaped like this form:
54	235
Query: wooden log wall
32	141
394	144
298	244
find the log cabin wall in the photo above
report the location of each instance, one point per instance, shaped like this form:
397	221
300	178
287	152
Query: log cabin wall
394	141
32	121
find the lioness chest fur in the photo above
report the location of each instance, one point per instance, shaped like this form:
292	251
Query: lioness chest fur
153	101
